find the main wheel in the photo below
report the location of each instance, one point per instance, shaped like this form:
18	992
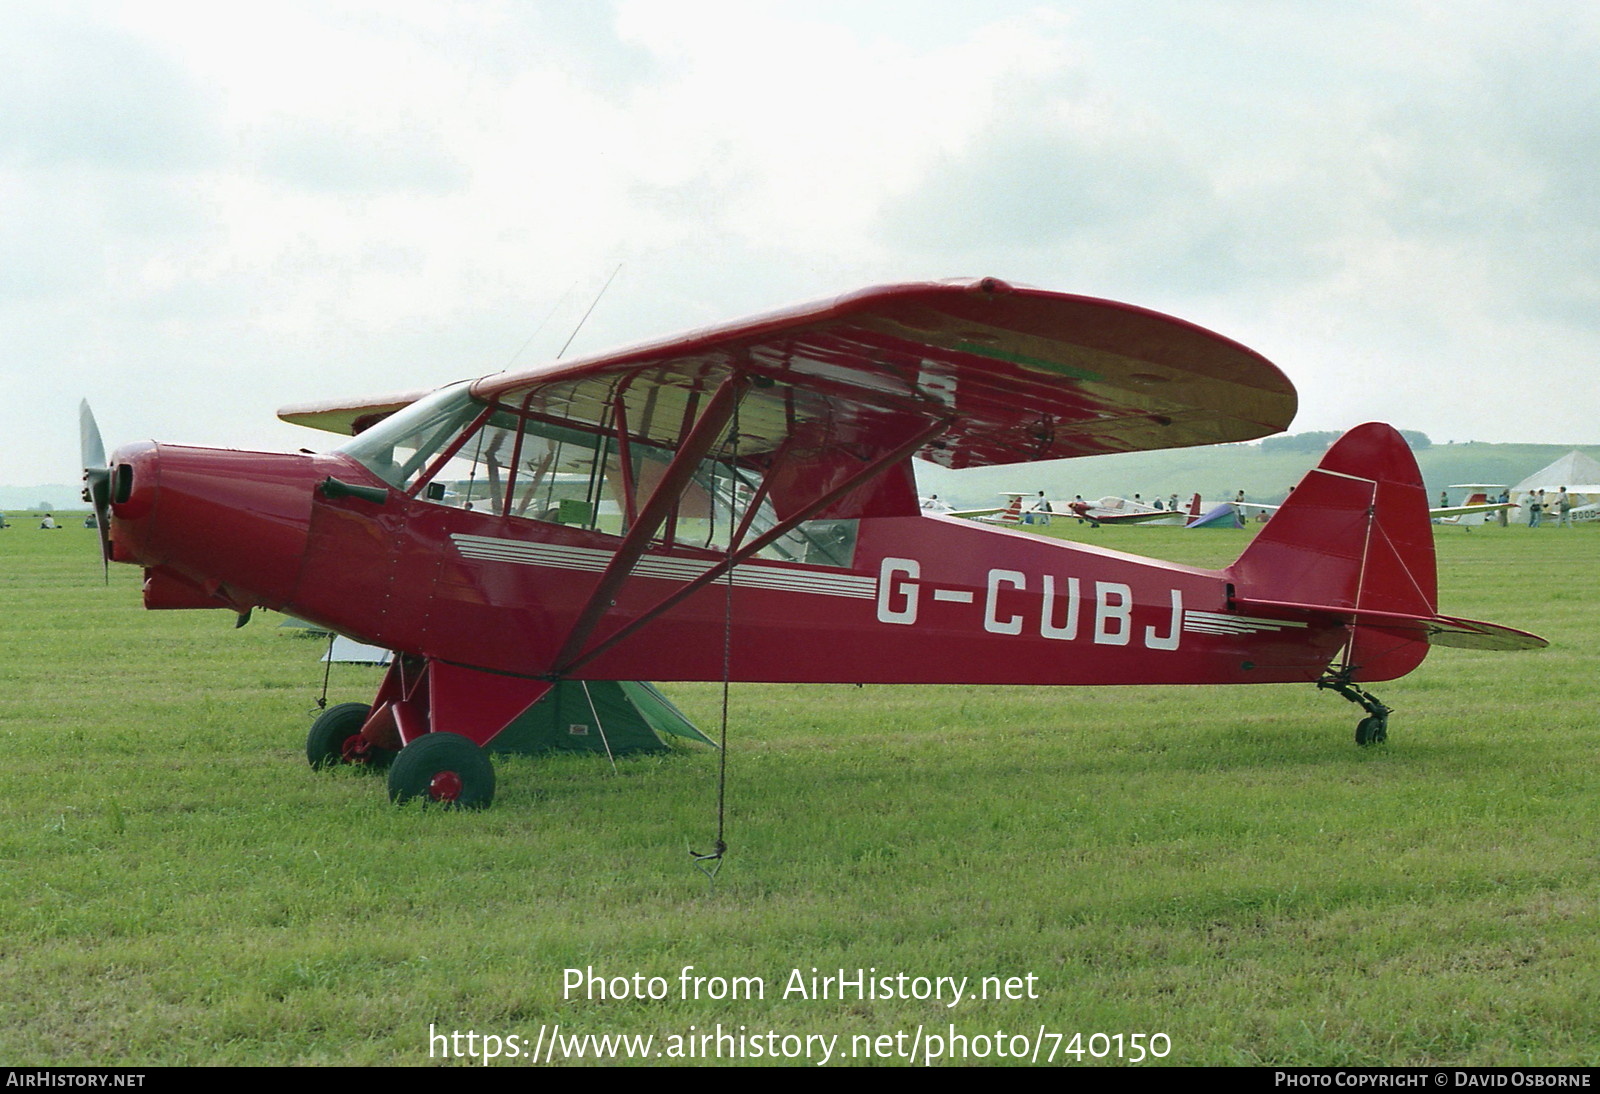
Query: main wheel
326	743
445	768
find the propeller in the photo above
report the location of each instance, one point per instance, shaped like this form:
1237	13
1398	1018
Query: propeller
96	480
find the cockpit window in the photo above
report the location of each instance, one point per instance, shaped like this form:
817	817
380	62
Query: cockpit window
576	474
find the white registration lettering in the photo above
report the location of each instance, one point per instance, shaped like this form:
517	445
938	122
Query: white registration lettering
991	621
1112	622
900	590
892	592
1170	641
1048	628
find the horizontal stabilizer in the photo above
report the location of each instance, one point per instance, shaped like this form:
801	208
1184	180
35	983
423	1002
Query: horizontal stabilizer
1436	630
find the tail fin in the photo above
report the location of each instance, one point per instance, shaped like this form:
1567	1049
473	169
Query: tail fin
1353	540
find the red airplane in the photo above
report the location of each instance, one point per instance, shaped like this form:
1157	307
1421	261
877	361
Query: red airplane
738	503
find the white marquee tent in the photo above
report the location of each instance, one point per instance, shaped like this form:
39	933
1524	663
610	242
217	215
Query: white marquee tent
1578	473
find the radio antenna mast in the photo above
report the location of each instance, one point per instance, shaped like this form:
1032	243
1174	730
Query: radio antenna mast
586	314
548	316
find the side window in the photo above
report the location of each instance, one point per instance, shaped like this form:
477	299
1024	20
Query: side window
560	475
475	475
717	503
567	476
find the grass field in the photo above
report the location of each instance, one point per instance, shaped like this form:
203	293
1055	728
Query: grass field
1219	865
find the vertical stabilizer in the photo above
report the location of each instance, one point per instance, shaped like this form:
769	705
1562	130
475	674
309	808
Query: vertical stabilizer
1353	534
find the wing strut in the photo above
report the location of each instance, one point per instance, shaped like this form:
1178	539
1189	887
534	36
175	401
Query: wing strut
706	433
733	558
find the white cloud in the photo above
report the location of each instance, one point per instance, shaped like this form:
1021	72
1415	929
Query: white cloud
212	210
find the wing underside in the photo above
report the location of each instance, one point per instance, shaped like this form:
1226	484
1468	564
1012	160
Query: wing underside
349	416
1014	374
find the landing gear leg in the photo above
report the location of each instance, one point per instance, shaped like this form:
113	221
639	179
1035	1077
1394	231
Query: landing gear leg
1374	728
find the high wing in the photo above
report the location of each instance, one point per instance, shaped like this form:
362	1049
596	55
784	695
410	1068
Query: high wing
1013	374
1021	374
348	417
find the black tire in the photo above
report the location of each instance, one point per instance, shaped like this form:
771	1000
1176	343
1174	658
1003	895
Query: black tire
444	768
1372	730
333	727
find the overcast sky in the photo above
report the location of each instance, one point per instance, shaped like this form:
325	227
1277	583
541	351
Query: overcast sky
208	211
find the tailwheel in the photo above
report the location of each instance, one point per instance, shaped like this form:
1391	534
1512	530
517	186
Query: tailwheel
335	739
1372	730
445	768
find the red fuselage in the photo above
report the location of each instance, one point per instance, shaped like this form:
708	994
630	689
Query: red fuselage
924	599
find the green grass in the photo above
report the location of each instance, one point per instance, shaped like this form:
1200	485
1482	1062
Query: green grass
1219	864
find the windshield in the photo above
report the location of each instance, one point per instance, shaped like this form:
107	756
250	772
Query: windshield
400	448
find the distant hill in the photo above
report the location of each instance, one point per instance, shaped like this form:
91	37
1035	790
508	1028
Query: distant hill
53	496
1220	471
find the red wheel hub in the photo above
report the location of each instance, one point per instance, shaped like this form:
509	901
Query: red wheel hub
445	786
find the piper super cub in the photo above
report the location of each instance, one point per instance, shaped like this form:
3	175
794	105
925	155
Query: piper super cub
738	503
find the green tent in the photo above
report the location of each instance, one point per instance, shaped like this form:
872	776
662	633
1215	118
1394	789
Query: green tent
1225	515
589	715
